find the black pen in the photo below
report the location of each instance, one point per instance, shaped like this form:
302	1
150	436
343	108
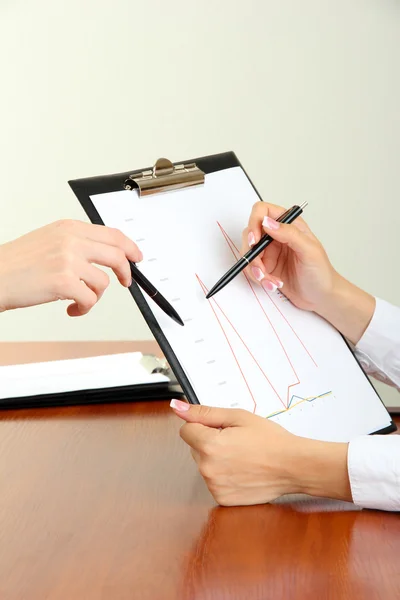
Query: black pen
287	217
154	293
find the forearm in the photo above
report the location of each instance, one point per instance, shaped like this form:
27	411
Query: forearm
320	469
348	308
366	471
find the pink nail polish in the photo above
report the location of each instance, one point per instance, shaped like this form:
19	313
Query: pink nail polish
269	223
279	283
258	274
251	239
269	286
179	405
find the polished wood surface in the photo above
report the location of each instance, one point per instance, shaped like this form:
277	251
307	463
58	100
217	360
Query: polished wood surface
105	503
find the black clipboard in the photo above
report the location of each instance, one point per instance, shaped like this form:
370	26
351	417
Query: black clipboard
90	186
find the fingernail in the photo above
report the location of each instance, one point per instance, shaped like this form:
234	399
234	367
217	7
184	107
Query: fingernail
269	223
130	283
279	283
258	274
179	405
140	256
269	286
251	239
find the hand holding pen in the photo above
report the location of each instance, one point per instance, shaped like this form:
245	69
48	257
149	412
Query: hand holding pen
257	248
268	267
295	262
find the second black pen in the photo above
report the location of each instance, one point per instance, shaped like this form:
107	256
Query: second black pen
152	291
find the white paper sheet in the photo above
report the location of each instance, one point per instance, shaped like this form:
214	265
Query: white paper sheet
244	347
59	376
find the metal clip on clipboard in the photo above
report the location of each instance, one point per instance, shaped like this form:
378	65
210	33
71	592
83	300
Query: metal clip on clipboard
165	176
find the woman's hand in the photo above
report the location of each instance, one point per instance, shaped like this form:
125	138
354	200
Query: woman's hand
296	260
56	263
245	459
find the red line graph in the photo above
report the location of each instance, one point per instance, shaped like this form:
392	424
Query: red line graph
285	402
236	253
205	290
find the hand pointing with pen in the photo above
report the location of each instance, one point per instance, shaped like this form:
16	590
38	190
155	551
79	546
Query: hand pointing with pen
59	262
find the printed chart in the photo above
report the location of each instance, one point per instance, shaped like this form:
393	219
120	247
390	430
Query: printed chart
288	400
245	347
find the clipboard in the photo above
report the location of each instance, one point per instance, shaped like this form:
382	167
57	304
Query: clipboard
84	188
163	177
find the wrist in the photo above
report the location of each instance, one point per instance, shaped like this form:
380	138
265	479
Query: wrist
320	469
348	308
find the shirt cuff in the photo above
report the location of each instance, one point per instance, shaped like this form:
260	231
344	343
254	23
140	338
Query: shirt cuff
382	333
374	471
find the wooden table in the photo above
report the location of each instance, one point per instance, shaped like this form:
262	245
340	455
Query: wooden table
105	503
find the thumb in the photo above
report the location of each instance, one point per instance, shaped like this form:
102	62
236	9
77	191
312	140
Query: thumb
209	416
291	235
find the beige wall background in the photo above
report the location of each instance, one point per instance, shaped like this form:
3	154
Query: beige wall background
306	93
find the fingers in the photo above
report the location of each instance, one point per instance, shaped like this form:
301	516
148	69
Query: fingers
195	454
77	310
263	209
247	243
296	237
71	288
101	234
290	235
96	279
198	436
269	282
84	284
210	416
109	256
114	237
261	267
259	211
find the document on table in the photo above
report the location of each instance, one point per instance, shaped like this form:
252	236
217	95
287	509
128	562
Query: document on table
63	376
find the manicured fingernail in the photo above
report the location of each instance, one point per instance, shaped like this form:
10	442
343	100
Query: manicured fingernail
251	239
269	223
258	274
179	405
269	286
279	283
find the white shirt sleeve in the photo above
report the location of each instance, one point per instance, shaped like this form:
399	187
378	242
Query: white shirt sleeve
379	348
374	471
374	461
